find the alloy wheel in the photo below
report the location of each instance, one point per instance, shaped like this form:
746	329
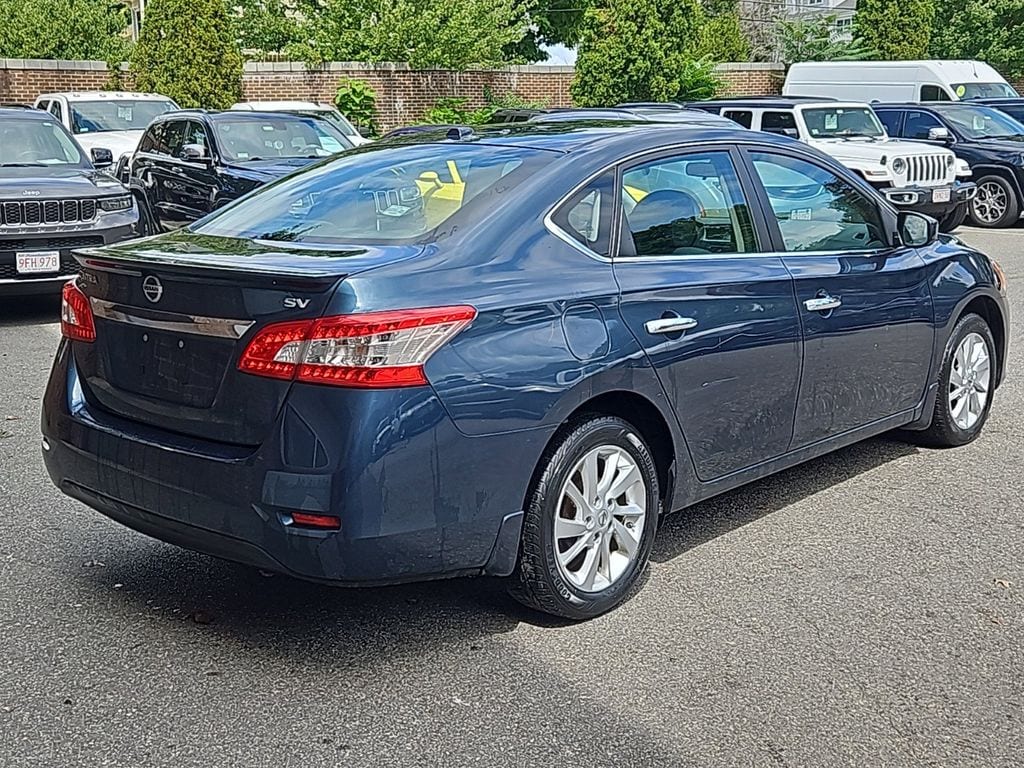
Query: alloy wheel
990	203
600	518
970	377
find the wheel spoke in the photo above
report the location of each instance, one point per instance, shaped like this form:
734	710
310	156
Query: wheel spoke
604	566
589	473
567	529
958	409
956	378
588	571
625	538
573	552
625	479
576	498
611	468
628	510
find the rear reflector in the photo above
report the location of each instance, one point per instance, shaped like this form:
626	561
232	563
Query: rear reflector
76	320
371	350
323	522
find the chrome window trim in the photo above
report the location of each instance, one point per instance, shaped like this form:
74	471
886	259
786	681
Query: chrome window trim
218	327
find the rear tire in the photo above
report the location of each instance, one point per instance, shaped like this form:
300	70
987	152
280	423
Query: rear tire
953	220
968	368
590	522
995	205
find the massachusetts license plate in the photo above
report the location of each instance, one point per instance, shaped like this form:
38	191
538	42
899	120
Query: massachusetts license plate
37	262
941	195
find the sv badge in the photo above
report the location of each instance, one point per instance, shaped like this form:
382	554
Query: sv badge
291	302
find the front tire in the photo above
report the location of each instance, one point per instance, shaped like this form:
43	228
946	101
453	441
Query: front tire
966	381
995	204
590	521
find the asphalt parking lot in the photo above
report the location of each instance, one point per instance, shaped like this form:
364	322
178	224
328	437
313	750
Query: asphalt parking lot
864	609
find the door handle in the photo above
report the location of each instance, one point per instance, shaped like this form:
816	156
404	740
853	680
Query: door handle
670	325
823	304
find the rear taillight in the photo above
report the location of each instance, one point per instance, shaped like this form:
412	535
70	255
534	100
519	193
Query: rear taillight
76	320
372	350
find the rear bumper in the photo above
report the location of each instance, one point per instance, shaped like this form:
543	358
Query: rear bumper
13	284
416	498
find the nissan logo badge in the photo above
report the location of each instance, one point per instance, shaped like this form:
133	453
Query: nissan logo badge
153	289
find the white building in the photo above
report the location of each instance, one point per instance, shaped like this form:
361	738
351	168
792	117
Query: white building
759	12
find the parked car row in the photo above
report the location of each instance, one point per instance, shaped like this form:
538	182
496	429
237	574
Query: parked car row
60	189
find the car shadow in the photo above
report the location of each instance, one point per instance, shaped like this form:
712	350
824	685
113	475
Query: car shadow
29	310
701	523
290	617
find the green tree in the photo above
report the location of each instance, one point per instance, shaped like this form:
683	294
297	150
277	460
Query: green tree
551	22
722	36
63	29
814	39
443	34
896	29
635	50
264	26
987	30
187	50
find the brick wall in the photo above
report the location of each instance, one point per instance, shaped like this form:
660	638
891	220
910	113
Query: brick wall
403	94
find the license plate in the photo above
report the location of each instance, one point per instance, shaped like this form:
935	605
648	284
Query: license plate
37	262
941	196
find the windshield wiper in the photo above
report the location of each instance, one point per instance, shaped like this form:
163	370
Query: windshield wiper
23	165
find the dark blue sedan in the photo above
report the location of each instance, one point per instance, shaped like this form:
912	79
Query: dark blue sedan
509	352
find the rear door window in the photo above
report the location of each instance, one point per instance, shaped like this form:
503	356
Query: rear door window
686	205
742	116
891	119
587	216
782	123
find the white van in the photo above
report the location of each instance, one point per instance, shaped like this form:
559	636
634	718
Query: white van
897	81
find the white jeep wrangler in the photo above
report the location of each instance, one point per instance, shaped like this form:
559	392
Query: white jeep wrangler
911	175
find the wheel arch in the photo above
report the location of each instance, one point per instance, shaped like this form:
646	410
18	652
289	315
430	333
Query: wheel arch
644	415
982	169
988	309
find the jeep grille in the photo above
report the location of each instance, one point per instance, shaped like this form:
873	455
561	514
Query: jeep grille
29	213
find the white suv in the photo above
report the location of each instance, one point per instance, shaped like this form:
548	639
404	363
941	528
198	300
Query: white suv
317	109
113	120
911	175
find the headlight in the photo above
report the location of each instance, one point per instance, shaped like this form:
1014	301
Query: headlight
899	165
950	161
113	204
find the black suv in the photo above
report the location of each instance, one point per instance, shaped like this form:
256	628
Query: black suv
191	162
989	140
52	199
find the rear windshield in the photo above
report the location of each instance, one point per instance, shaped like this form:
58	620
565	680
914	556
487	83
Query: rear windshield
983	90
116	114
381	195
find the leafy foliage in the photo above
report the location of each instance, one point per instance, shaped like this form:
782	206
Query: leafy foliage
357	101
698	80
722	36
554	22
814	39
896	29
187	50
63	29
635	50
455	110
446	34
987	30
264	26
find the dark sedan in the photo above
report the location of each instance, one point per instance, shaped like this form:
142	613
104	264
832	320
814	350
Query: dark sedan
362	375
192	162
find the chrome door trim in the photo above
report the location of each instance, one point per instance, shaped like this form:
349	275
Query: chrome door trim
218	327
823	304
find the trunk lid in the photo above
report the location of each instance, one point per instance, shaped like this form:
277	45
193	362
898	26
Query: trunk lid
174	313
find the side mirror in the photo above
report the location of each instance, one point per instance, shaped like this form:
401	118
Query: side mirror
366	131
792	133
939	134
194	153
102	157
917	230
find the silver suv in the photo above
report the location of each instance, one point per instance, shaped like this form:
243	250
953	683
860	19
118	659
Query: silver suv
53	199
